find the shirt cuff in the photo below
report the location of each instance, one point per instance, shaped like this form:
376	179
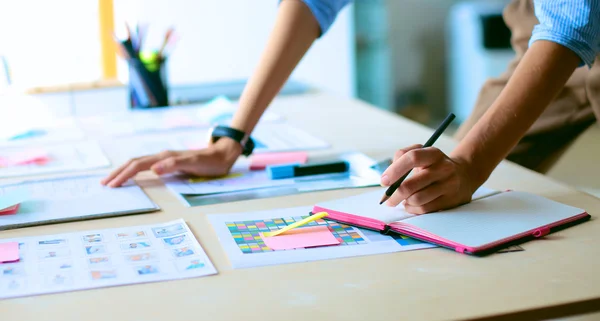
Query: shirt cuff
580	47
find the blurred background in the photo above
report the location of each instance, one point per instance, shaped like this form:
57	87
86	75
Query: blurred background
419	58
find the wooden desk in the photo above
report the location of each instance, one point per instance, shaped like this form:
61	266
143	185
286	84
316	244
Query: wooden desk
555	276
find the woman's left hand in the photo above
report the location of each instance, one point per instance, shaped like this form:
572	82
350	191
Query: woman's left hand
437	182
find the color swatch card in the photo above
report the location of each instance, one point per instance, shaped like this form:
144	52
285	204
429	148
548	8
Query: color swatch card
24	161
241	235
69	199
103	258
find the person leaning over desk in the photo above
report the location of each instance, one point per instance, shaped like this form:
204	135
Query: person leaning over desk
529	114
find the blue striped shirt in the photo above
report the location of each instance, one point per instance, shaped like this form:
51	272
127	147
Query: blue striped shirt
574	24
325	11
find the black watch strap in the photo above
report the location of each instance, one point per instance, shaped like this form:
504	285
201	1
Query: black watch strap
237	135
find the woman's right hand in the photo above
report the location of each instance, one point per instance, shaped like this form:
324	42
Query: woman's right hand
214	160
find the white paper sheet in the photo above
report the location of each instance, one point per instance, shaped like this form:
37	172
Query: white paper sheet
494	218
218	110
269	137
238	234
104	258
73	198
62	158
60	130
367	205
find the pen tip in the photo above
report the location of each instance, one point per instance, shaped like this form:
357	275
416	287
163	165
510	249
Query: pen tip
383	199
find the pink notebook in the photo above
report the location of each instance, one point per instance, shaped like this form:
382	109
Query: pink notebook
483	226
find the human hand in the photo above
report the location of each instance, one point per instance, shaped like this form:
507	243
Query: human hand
438	181
215	160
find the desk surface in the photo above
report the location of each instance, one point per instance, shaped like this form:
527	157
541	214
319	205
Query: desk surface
425	284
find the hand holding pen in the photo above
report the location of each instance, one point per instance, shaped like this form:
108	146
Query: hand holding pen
439	181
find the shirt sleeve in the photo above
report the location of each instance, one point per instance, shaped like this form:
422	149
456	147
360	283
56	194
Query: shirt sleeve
574	24
325	11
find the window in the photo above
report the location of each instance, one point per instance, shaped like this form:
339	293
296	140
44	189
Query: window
50	42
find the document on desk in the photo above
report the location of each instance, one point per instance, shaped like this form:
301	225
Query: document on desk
103	258
246	184
143	121
241	236
268	138
60	130
71	199
34	160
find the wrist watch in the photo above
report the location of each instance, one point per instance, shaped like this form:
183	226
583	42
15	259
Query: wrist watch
237	135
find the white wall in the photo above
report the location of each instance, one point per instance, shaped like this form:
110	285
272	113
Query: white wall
222	40
417	41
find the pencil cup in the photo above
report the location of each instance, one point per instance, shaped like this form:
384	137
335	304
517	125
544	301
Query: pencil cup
147	84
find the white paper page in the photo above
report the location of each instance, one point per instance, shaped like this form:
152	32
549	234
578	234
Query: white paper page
73	198
193	116
104	258
240	238
62	130
282	137
482	192
367	205
62	158
494	218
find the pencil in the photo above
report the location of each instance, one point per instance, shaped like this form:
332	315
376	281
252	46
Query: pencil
438	132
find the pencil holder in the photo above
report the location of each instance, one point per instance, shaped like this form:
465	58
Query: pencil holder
147	84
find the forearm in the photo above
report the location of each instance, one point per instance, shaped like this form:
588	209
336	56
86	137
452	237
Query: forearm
294	32
542	73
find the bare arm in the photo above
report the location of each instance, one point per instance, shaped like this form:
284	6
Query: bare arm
295	30
442	182
540	76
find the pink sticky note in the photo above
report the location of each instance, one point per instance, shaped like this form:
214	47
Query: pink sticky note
25	158
301	237
10	210
261	161
9	252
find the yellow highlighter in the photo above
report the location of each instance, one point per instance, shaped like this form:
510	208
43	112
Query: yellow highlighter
307	220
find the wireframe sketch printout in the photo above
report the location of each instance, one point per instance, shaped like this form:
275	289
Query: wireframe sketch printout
71	198
240	236
268	138
103	258
220	110
34	160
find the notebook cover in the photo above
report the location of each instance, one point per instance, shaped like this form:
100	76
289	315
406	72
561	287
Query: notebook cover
376	225
494	247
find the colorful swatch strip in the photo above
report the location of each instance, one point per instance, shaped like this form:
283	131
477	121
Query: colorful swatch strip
247	233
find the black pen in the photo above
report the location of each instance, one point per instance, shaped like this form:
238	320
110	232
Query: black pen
438	132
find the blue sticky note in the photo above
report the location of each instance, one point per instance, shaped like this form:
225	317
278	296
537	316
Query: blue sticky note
29	134
13	197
